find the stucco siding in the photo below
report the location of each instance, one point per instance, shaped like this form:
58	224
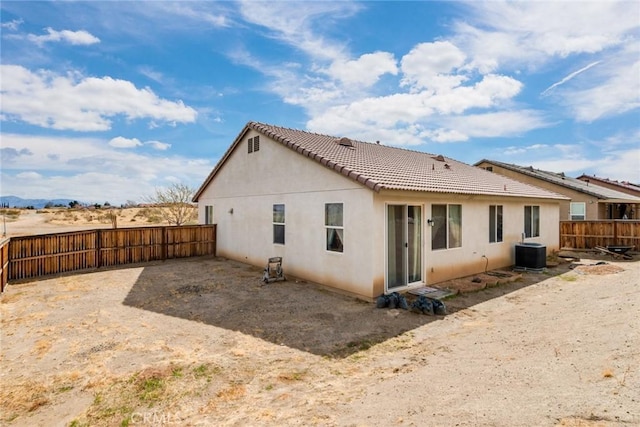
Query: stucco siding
243	194
444	264
247	185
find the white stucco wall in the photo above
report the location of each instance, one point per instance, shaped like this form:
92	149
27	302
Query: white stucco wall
250	184
445	264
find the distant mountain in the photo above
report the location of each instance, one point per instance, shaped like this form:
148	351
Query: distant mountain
19	202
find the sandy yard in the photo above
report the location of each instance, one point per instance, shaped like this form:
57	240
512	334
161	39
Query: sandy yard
56	220
201	342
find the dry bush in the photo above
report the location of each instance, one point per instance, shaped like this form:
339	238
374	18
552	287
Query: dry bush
10	214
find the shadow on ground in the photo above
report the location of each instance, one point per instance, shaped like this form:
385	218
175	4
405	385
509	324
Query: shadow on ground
298	314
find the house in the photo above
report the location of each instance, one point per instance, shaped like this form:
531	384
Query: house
365	218
623	186
588	200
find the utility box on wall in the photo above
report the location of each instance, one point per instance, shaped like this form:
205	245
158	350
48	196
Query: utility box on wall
531	256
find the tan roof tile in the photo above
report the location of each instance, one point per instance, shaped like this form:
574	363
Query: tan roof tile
380	167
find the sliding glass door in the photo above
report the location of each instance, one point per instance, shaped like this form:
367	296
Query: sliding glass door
404	245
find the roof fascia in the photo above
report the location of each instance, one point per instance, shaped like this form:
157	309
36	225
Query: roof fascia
221	162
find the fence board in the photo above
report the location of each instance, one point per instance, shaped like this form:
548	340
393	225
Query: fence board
588	234
4	264
33	256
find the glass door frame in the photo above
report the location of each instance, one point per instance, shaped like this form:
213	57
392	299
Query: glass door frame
406	250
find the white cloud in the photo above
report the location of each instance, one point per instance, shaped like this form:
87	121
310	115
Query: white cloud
79	103
433	65
294	23
621	165
429	111
29	175
154	75
497	124
614	90
12	25
364	71
515	150
158	145
89	169
512	34
81	37
122	142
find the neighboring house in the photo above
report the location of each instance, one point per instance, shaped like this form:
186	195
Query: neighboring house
365	218
623	186
588	200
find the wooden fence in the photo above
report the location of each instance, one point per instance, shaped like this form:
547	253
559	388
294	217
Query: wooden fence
588	234
4	264
33	256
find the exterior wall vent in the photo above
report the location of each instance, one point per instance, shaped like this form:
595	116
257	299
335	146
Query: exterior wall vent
345	142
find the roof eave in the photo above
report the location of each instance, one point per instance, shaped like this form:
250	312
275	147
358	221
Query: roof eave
218	165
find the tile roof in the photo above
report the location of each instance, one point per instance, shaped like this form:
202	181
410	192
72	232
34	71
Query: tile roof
625	185
561	179
383	167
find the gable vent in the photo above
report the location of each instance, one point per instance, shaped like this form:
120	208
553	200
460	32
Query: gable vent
345	142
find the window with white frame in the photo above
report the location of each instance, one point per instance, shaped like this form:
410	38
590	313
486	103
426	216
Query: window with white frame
208	214
531	221
578	211
446	232
334	226
278	224
495	223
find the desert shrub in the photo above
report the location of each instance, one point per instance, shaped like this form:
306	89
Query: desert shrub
10	213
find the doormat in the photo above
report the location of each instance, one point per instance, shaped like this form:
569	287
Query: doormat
434	293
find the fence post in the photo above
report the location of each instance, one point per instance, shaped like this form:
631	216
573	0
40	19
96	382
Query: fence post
98	249
165	244
615	231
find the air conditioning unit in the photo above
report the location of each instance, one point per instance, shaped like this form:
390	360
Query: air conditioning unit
531	256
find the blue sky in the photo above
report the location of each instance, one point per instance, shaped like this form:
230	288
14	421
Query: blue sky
106	101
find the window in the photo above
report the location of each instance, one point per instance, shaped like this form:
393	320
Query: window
577	211
531	221
333	214
447	226
208	214
253	144
495	223
278	224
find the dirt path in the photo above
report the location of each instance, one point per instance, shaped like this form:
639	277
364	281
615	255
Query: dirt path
79	350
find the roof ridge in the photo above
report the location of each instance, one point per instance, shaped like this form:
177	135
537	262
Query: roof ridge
561	179
255	124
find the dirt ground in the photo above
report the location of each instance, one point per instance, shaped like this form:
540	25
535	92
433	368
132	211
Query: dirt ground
56	220
202	341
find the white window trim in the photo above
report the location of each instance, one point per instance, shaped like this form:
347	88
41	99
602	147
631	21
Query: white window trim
333	227
284	236
494	221
533	207
572	214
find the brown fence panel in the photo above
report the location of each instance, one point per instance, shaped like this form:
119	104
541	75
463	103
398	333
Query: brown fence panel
190	241
130	245
4	264
588	234
33	256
